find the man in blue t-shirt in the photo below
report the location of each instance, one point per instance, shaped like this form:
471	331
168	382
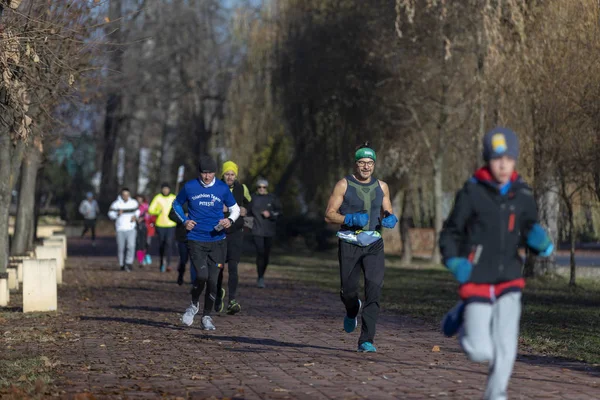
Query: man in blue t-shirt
206	225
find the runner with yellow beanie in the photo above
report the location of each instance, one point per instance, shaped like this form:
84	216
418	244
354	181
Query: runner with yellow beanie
235	240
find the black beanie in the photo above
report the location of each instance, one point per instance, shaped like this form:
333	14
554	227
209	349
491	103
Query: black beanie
207	164
500	142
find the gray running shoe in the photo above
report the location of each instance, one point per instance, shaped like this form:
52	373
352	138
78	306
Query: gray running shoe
188	316
260	283
207	323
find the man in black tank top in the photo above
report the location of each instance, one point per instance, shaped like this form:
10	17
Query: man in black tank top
361	204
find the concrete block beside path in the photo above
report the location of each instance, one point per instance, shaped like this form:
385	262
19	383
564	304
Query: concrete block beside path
13	282
50	252
45	231
39	285
57	241
4	293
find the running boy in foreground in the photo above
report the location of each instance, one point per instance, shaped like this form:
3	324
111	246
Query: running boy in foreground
494	213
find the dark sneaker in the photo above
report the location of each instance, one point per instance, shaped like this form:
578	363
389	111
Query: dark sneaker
180	278
260	283
233	308
127	268
453	320
350	324
219	303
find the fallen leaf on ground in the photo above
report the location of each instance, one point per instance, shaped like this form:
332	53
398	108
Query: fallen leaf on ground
436	349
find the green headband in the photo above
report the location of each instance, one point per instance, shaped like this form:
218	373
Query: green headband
365	152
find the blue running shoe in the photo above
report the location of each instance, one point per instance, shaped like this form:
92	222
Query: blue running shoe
350	324
163	268
453	320
366	347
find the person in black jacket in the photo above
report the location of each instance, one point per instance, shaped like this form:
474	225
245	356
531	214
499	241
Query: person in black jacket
265	209
181	239
493	215
235	240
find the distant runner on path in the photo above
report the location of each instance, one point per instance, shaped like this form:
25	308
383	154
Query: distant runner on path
235	240
206	225
90	210
125	211
165	227
265	209
361	204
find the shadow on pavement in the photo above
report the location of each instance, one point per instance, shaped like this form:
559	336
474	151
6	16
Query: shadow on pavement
270	342
146	308
136	321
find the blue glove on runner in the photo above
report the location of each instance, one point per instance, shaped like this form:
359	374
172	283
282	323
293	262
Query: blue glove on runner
357	220
539	241
460	267
389	221
547	252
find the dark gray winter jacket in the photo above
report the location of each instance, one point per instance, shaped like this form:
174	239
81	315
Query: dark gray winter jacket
265	226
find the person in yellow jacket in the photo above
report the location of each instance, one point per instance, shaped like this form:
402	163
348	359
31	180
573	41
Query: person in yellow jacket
165	228
235	240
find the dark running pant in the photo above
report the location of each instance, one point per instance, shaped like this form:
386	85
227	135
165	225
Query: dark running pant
89	224
235	241
370	260
263	251
165	241
207	258
184	256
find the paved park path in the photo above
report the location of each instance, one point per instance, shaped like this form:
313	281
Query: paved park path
117	335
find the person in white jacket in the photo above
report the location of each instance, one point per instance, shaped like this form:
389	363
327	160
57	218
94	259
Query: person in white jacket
125	211
90	210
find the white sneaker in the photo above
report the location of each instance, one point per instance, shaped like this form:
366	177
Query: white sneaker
207	323
188	317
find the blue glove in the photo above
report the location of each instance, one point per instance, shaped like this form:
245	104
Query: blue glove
547	252
389	221
460	267
539	241
358	220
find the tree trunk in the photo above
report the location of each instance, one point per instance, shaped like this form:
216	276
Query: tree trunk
422	213
132	158
481	54
438	203
549	209
114	107
572	249
26	206
5	195
405	224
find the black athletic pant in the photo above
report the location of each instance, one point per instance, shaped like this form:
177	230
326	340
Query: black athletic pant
89	224
207	258
263	251
370	260
184	256
235	242
165	241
